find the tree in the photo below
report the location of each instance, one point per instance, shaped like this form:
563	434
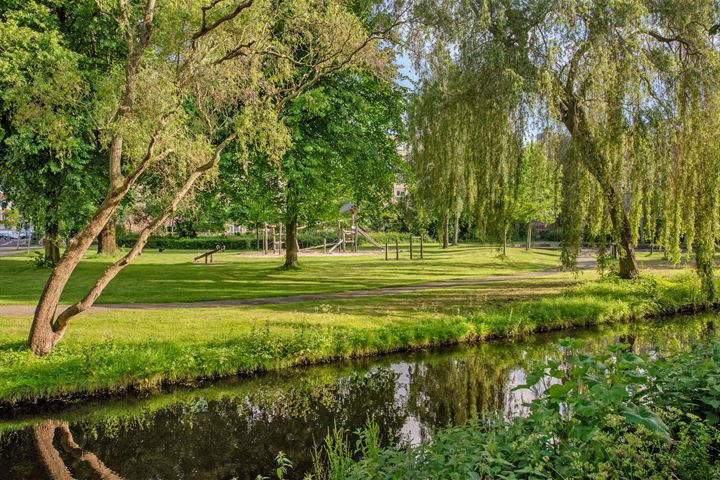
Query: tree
438	154
345	134
466	147
47	163
538	188
595	69
197	79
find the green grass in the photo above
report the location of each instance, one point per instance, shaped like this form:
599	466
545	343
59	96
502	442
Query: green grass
117	350
171	276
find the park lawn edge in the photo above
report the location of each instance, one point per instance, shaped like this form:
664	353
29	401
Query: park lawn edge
111	368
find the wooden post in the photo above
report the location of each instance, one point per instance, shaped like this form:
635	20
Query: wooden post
341	236
386	251
411	256
397	250
421	247
324	245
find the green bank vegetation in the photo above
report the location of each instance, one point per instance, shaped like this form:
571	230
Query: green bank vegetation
610	415
146	349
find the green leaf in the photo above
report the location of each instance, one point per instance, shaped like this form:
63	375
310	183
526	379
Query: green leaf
560	390
647	418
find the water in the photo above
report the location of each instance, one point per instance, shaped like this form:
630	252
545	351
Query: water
234	428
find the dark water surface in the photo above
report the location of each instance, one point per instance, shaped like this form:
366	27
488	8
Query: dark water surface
234	428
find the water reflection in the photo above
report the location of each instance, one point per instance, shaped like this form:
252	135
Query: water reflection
234	428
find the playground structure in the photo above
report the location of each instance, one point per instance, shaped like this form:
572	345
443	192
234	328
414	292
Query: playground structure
347	239
217	249
273	238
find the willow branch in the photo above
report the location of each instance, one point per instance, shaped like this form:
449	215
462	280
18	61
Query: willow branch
205	28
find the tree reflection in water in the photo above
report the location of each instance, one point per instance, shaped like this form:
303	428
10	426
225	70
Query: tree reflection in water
234	428
44	434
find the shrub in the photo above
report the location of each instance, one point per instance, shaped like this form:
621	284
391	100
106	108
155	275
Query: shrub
610	415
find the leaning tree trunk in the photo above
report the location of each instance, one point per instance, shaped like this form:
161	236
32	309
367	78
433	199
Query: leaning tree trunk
52	241
44	333
446	231
107	243
46	329
291	243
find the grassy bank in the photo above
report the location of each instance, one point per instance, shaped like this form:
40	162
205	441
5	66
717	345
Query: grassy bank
116	351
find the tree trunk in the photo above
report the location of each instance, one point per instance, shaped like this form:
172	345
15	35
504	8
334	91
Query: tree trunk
291	243
628	264
257	236
52	242
107	244
504	241
528	244
594	161
456	231
446	231
44	334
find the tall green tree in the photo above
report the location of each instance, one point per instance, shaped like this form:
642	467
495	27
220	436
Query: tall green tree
345	134
538	186
48	162
197	79
595	69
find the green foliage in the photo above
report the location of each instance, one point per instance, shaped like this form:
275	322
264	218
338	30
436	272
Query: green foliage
634	86
39	261
48	164
609	415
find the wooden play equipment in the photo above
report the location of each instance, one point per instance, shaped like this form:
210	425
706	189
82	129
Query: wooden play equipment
217	249
418	239
347	237
273	238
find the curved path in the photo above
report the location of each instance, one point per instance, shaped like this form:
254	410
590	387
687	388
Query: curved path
28	310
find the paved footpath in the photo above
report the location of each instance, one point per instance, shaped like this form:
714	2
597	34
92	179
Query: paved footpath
28	310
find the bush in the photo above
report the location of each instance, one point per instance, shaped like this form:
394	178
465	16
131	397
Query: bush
611	415
249	242
39	261
235	242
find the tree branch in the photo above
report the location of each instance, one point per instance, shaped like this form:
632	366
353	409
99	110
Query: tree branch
205	28
61	322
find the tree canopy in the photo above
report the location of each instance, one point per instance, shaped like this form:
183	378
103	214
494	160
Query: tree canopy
634	84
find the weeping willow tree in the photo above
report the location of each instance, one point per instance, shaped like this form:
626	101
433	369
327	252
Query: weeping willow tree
438	153
634	85
466	147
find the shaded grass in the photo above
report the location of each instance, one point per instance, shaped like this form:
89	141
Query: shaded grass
115	351
171	276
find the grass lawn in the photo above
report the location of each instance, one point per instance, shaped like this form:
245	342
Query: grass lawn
171	276
116	350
